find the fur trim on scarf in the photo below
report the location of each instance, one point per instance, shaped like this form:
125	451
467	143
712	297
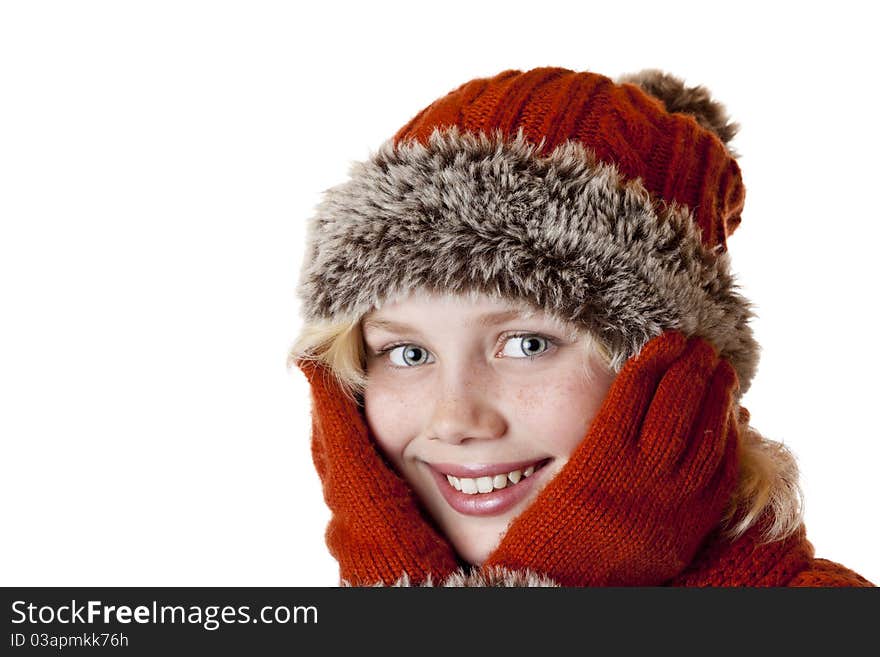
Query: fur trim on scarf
475	578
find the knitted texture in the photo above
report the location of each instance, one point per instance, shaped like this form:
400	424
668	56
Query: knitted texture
825	573
565	233
377	531
746	562
750	561
604	203
677	159
580	533
648	482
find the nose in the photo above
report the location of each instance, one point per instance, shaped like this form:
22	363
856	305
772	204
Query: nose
465	411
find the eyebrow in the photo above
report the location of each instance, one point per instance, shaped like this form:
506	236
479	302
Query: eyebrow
484	320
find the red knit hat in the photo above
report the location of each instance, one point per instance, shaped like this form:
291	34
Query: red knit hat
605	203
673	139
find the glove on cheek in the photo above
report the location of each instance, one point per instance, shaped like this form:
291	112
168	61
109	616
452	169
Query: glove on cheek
377	531
649	481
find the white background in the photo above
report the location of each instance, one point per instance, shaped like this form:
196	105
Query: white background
158	161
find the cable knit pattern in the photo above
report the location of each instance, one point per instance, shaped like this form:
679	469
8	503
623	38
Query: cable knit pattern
676	158
607	204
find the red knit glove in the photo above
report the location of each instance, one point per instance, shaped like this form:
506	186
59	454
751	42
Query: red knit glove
377	532
649	481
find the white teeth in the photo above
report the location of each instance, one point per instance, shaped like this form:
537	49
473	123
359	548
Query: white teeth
472	486
484	484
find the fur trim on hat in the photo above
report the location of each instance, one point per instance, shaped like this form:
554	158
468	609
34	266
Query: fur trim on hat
565	233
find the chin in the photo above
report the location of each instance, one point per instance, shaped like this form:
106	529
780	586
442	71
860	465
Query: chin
473	555
475	546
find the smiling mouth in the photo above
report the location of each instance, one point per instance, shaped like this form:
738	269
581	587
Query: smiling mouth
488	490
503	477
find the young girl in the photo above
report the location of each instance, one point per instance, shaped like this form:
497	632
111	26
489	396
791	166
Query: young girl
526	350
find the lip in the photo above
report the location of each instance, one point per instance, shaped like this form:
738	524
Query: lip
486	504
488	470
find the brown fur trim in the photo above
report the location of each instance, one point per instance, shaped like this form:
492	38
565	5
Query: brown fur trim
567	234
496	576
677	97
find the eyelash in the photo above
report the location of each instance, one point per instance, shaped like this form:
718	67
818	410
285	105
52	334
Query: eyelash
553	343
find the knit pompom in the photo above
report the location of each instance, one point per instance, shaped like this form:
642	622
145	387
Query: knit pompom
677	97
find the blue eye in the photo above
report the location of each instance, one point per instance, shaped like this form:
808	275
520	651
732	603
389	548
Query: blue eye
412	355
519	346
529	345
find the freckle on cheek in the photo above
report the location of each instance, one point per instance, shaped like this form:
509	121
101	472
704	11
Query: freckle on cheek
532	397
391	403
562	393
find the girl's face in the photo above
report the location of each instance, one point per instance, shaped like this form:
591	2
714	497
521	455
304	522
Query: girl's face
477	406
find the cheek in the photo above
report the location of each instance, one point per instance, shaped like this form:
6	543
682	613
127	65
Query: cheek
558	412
391	416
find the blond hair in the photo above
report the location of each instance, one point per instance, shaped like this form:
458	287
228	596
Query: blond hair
768	472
